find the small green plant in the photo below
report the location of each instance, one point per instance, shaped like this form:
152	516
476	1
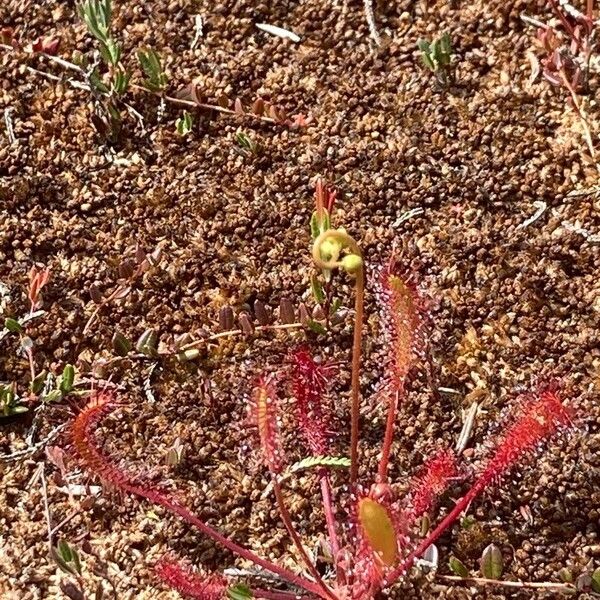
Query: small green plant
67	558
437	57
246	146
184	124
156	79
108	120
9	402
43	385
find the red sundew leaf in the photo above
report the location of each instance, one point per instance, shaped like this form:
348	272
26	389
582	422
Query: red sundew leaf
433	480
187	582
264	416
314	414
540	418
403	323
377	532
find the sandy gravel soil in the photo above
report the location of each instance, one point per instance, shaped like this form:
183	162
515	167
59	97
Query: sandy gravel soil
511	302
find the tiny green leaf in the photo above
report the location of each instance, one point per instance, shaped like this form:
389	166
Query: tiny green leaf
491	564
467	522
68	378
566	575
76	560
426	59
53	396
121	345
65	550
13	325
596	581
147	343
457	567
38	383
239	591
188	355
314	226
445	45
156	79
121	81
317	289
184	124
316	327
60	561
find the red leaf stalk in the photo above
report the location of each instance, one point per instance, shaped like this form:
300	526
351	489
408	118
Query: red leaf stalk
189	583
402	322
325	197
86	445
264	416
309	385
539	419
287	521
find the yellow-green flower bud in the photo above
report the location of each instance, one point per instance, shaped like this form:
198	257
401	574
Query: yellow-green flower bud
352	263
330	249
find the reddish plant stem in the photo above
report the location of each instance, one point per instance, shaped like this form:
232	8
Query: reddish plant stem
187	516
389	437
328	510
324	591
447	522
31	364
356	350
559	13
87	447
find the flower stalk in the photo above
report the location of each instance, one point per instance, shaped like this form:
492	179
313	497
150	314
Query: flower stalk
326	255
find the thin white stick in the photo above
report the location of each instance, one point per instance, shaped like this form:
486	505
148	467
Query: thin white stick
541	207
10	132
559	587
370	16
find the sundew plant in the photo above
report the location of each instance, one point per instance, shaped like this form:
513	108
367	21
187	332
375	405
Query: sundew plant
380	540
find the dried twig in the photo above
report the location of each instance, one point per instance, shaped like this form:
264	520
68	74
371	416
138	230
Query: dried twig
46	507
27	452
540	209
566	588
10	132
232	332
465	434
370	16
